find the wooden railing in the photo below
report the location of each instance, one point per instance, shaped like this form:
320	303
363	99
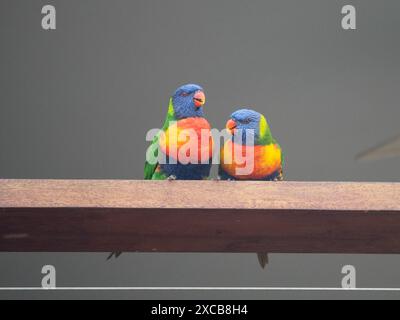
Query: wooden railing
199	216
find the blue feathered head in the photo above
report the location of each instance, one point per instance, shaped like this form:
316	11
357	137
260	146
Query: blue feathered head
188	101
249	126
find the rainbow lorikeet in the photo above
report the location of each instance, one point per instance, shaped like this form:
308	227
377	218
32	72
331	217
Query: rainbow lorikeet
251	147
185	115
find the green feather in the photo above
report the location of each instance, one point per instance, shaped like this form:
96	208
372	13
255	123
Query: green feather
150	169
266	137
282	153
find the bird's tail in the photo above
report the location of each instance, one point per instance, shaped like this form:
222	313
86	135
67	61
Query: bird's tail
114	254
263	259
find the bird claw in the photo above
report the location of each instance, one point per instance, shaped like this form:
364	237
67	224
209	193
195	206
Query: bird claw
171	178
114	255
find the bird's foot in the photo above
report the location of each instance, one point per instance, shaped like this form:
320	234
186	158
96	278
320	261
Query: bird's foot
279	177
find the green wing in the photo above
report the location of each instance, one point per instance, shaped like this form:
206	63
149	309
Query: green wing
282	153
149	168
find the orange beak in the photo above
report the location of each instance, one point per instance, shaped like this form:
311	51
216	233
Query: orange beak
199	99
231	126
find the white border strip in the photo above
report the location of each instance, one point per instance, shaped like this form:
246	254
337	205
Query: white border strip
196	289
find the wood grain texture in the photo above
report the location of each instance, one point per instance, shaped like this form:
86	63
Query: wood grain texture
199	216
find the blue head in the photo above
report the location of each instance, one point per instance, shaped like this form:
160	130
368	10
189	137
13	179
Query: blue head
250	126
188	101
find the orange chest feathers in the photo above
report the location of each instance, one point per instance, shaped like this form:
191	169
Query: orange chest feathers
250	162
188	140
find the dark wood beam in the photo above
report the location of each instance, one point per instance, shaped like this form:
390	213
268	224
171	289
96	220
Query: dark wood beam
199	216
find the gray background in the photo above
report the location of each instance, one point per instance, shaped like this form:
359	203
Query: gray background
77	103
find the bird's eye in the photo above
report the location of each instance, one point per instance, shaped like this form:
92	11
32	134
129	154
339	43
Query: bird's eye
184	94
246	121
